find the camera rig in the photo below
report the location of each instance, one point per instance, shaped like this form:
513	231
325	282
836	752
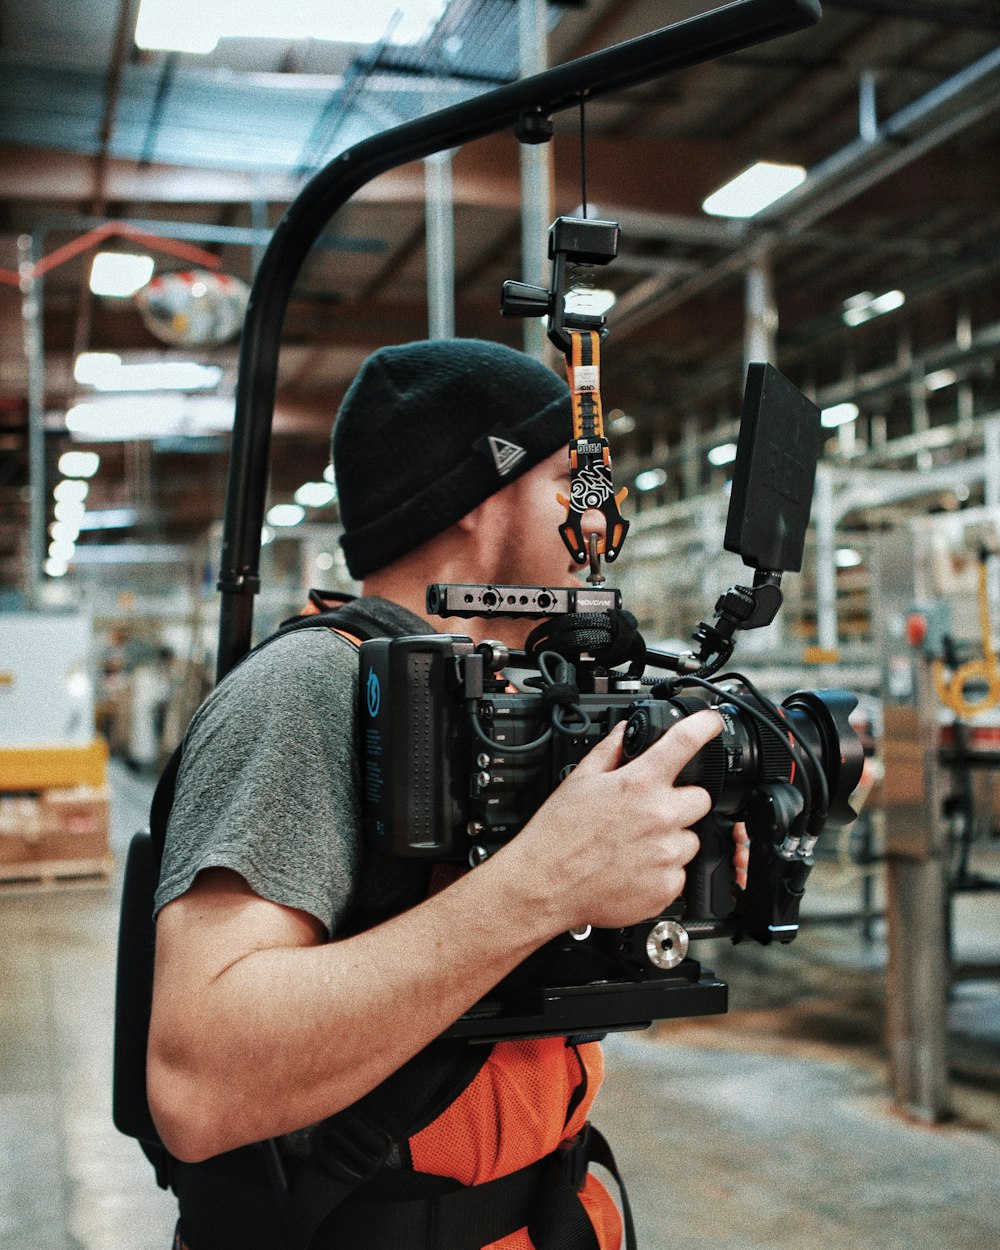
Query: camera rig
560	991
455	763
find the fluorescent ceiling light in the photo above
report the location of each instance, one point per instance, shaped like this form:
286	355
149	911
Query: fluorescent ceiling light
847	558
153	417
55	568
725	453
79	463
839	414
940	378
266	535
589	301
328	473
194	26
283	515
110	519
649	479
71	488
864	306
315	494
754	189
69	510
61	549
324	561
64	531
109	374
90	365
119	274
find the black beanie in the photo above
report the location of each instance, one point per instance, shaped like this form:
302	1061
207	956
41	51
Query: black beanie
429	430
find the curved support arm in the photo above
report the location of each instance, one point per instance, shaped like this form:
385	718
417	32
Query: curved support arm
728	29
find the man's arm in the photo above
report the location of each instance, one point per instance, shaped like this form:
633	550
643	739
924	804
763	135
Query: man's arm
260	1027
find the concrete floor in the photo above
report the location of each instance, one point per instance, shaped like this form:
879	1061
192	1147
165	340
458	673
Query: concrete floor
766	1129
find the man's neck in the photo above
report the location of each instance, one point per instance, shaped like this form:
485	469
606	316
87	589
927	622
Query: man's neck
407	586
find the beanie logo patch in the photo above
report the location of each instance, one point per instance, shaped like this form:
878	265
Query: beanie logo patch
505	454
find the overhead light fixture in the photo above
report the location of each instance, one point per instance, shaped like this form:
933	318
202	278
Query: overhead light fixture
79	463
155	417
864	306
589	301
64	531
105	372
619	422
120	274
91	365
69	510
940	378
649	479
839	414
846	558
725	453
284	515
71	488
266	535
754	189
315	494
324	561
55	568
61	549
110	519
193	26
328	473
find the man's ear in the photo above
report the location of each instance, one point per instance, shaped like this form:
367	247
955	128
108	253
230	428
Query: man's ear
471	521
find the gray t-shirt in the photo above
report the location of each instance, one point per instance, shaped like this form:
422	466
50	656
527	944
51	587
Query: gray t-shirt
268	783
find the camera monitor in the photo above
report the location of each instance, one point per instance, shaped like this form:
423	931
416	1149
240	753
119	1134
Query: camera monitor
779	445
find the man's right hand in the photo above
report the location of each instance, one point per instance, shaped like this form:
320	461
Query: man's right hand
609	846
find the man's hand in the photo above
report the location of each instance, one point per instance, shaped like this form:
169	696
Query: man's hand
609	846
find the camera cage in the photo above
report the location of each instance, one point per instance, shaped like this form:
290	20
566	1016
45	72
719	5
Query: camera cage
526	107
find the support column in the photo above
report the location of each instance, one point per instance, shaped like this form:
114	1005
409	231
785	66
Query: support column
536	176
440	215
761	315
825	520
34	350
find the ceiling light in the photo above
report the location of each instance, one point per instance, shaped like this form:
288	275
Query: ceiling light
754	189
119	274
71	488
940	378
61	549
64	531
110	519
160	416
55	568
324	561
649	479
725	453
619	422
283	515
193	26
839	414
91	365
864	306
847	558
315	494
69	510
266	535
79	463
328	474
155	375
589	301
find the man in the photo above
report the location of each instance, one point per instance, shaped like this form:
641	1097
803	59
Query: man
291	979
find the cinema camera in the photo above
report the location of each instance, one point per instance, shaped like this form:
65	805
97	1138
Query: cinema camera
455	763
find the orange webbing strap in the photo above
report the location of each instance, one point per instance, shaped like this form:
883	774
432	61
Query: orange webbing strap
591	485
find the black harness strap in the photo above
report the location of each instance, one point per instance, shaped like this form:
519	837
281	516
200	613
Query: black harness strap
417	1211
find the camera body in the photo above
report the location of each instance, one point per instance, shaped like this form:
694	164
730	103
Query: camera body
455	762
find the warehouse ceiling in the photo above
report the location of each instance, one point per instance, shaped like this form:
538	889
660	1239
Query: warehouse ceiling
892	106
